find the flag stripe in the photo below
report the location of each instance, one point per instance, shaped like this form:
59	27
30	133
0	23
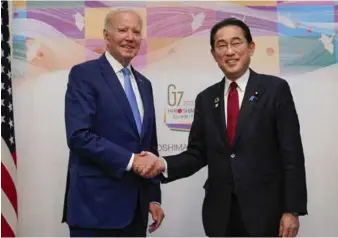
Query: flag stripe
14	157
8	212
8	187
6	230
8	160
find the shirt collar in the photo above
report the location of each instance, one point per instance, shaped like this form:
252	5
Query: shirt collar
117	66
241	81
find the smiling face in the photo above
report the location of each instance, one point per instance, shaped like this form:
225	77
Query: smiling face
232	51
122	35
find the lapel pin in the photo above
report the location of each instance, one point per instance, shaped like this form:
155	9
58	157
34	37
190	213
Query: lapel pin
254	97
216	101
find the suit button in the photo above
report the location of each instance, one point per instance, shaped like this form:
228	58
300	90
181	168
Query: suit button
232	156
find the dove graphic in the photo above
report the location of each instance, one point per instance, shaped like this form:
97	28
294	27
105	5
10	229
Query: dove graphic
32	51
79	21
197	20
327	42
286	21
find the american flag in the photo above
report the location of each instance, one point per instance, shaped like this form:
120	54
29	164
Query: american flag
9	210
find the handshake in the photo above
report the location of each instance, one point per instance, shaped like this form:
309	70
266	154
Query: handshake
148	165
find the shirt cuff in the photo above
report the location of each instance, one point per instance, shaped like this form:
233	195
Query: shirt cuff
165	172
130	164
156	203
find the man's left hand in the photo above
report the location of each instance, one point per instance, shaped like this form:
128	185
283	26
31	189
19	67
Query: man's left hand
289	225
157	215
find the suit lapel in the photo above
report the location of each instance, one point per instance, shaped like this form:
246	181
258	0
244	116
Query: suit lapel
253	88
219	113
145	99
115	85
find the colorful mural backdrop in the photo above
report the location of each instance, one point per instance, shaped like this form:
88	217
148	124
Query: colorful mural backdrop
295	40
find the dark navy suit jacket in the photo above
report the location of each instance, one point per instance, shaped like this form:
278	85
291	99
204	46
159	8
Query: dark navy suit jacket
102	135
264	166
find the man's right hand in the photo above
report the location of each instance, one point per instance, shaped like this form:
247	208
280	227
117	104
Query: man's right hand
147	165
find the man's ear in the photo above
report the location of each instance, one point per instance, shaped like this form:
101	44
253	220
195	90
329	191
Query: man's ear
212	51
252	47
106	36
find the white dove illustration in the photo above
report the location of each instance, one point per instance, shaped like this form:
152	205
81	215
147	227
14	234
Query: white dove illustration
286	21
327	42
79	21
197	20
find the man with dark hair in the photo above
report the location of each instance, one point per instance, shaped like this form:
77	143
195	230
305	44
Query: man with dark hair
246	130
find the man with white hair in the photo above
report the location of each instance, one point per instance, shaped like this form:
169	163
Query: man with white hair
110	119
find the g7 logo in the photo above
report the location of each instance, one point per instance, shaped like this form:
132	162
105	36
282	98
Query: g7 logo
174	97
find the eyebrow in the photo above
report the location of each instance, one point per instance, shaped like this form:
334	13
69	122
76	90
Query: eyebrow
232	39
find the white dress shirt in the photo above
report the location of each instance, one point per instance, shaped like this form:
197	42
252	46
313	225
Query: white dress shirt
241	86
117	67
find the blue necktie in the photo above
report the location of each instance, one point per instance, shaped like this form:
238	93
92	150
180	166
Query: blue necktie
128	88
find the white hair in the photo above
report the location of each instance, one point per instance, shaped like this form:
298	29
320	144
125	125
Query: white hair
113	13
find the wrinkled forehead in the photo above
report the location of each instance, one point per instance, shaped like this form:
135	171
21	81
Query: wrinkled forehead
127	19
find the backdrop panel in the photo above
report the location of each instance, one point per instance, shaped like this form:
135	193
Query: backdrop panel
296	41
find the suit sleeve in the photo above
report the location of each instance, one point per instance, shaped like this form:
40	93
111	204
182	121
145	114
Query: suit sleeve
154	188
295	191
193	159
80	109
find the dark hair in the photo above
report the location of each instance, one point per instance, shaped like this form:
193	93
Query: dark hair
230	22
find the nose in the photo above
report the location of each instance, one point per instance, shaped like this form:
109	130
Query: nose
230	51
130	35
